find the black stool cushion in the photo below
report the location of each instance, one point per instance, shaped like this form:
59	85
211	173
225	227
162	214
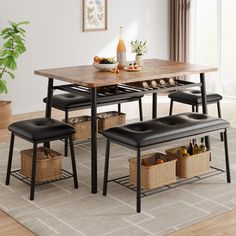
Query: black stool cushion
68	100
193	97
164	129
41	129
71	101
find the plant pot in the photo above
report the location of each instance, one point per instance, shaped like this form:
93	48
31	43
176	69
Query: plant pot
139	60
5	114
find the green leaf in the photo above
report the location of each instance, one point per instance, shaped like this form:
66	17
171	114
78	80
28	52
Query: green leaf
12	76
23	23
3	86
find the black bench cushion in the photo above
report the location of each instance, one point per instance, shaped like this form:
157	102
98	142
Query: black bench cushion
71	101
164	129
41	129
193	97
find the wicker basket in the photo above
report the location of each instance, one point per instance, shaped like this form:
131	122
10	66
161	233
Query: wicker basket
154	176
187	167
109	119
82	125
5	114
46	168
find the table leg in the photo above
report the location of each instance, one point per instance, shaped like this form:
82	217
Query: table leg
154	105
94	140
49	96
204	103
48	111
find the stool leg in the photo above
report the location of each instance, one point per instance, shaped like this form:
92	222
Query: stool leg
119	107
219	115
10	159
138	181
197	108
227	157
193	108
66	140
140	109
171	107
33	172
72	153
106	168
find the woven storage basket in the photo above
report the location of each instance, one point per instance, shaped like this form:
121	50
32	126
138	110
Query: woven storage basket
154	176
187	167
82	125
109	119
5	114
46	168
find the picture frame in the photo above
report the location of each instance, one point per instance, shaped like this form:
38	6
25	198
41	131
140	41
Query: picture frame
94	15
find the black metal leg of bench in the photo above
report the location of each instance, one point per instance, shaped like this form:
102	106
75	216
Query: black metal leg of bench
204	104
171	107
119	107
227	157
154	105
72	154
10	159
219	115
140	109
138	181
33	172
106	168
66	140
193	108
197	108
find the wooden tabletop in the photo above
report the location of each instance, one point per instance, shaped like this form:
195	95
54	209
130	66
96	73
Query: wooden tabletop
153	69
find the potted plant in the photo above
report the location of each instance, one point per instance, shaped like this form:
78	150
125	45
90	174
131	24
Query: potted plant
139	48
13	45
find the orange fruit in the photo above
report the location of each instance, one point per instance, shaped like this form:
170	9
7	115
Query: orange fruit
160	161
96	59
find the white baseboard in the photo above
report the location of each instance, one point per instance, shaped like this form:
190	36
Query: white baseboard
27	109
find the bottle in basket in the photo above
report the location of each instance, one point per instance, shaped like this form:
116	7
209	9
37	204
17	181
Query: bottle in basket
195	147
202	147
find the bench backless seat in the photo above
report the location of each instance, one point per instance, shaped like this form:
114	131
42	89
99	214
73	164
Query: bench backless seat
141	135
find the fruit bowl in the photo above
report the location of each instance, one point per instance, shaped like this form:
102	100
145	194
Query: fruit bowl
105	67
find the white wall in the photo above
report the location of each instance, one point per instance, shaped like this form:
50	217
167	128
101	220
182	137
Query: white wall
55	39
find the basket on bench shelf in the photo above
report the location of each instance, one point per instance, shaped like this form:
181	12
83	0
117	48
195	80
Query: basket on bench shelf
190	166
48	164
157	170
110	119
82	125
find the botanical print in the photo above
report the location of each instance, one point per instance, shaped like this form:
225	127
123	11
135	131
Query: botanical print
95	15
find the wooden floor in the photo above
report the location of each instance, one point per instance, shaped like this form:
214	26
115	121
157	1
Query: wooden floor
224	224
10	227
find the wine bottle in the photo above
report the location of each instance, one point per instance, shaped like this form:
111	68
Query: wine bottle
153	84
195	147
121	52
190	148
202	147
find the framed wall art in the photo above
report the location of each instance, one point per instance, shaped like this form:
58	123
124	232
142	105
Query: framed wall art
94	15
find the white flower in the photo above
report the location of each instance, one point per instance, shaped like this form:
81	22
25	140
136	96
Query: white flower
139	47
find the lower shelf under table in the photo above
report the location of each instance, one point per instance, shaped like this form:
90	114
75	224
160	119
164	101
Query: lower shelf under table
124	181
64	175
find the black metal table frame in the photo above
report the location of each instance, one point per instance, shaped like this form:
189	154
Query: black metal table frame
94	120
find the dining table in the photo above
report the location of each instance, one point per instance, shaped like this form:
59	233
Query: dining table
87	80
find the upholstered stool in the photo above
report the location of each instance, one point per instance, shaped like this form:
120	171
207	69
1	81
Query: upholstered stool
70	102
37	131
194	98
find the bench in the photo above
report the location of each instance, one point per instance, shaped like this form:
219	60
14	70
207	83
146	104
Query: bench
70	102
141	135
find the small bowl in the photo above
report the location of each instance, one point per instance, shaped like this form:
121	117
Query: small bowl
105	67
